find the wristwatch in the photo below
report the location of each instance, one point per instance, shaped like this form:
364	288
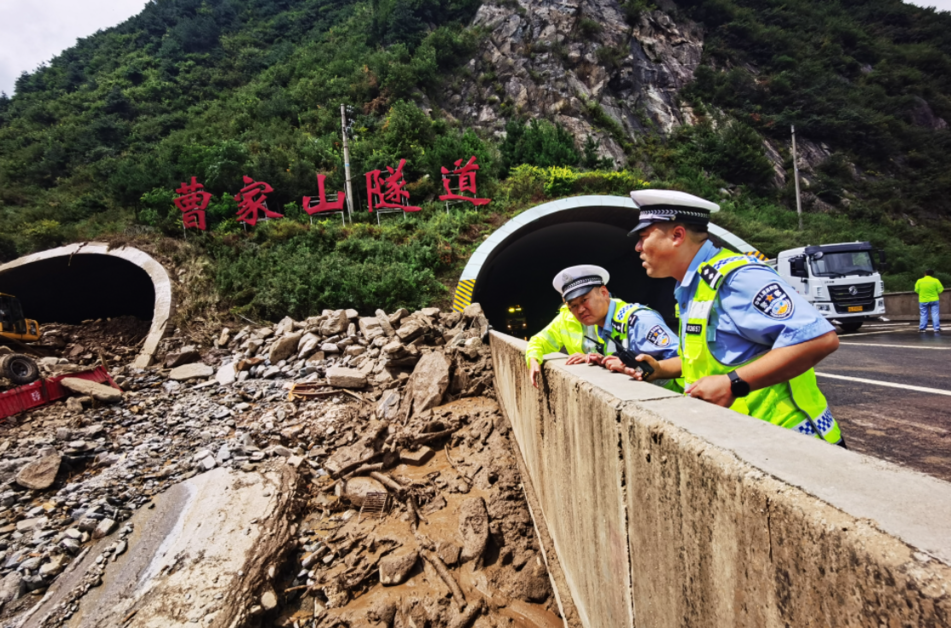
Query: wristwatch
738	386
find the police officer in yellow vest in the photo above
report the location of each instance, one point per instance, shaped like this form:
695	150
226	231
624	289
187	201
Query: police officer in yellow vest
591	326
748	341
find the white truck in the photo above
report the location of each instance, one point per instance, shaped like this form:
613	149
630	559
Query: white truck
841	280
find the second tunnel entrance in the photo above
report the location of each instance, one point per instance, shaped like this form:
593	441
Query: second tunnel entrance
515	266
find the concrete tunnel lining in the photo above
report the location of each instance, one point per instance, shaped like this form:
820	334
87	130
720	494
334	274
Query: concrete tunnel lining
128	277
515	265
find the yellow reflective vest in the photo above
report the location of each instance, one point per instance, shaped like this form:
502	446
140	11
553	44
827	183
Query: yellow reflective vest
797	404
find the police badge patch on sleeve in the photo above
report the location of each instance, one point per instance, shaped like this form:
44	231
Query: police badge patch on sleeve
658	336
773	301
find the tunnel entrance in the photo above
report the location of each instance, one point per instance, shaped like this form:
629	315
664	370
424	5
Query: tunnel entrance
71	289
521	270
521	274
516	264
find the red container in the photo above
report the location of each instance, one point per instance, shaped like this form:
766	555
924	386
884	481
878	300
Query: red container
44	391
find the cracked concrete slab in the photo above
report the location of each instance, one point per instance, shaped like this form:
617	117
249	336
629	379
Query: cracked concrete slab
201	556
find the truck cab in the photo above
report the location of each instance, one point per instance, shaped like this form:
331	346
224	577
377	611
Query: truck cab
841	280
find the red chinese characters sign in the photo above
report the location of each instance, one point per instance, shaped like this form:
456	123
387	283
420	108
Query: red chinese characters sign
192	202
322	204
387	191
467	183
253	199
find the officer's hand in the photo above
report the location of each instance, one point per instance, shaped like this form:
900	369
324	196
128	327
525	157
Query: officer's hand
581	358
613	363
638	374
713	389
533	371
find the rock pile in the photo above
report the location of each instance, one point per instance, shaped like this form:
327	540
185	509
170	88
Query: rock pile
391	416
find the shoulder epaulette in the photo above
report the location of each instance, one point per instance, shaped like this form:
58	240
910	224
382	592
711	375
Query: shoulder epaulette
711	275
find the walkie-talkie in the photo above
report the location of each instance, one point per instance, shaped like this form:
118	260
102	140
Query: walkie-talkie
628	358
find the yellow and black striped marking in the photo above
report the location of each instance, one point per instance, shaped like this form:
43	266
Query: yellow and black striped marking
758	255
463	296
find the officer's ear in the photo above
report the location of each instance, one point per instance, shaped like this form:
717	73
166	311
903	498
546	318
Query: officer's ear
678	234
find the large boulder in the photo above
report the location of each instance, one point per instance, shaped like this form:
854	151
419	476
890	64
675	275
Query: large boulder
40	473
86	388
336	323
343	377
285	327
307	345
11	587
284	347
385	323
185	355
371	328
428	383
186	372
226	374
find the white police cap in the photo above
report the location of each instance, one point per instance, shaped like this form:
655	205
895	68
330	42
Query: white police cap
670	206
575	281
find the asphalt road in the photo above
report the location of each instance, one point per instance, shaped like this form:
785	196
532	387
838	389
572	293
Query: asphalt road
907	421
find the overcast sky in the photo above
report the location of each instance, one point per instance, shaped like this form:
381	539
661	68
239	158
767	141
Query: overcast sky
34	31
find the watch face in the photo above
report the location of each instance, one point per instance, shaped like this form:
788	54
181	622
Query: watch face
738	387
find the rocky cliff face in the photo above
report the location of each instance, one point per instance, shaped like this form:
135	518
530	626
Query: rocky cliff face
584	63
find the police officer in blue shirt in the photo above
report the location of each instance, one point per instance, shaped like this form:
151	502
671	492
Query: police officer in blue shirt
592	325
748	341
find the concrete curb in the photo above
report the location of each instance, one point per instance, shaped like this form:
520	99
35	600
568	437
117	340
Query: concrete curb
673	512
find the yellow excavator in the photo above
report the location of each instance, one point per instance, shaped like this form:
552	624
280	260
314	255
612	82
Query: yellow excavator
15	330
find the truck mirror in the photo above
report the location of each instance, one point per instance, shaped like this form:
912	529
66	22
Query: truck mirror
797	267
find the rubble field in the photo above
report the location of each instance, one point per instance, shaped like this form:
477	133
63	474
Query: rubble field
337	471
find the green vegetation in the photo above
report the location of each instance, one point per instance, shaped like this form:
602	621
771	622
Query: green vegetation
94	145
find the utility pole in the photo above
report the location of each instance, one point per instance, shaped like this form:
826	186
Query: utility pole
795	165
346	160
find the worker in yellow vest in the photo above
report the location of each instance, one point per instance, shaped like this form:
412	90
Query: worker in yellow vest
748	341
929	291
591	326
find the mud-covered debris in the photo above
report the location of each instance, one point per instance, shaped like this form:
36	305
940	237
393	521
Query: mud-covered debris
356	489
473	529
395	568
419	457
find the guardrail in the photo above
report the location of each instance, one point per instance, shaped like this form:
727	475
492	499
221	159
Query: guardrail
905	304
660	511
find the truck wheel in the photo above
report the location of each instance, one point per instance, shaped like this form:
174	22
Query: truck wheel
851	326
19	369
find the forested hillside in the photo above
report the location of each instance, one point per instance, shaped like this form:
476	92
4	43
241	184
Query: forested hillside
94	144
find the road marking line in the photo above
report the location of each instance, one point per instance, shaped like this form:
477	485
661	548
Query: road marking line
887	331
874	344
874	382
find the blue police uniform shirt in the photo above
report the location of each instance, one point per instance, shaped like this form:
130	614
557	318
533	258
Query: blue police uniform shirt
649	334
743	324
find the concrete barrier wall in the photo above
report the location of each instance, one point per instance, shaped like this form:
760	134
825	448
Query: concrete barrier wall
905	304
666	511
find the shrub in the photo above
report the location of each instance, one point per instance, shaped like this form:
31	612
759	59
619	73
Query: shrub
540	143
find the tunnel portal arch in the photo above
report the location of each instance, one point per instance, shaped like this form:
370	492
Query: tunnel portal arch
88	280
515	265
